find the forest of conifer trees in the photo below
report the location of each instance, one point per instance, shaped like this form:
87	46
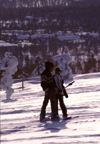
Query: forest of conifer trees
53	30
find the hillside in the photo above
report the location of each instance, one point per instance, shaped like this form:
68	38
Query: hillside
20	115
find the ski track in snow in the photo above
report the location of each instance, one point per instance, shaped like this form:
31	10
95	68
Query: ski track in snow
20	115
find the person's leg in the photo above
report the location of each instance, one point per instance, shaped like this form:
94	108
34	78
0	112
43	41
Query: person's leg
53	101
56	104
45	102
62	105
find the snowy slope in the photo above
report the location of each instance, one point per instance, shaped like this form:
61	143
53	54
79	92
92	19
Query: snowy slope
19	116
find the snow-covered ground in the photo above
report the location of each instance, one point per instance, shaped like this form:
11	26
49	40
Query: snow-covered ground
19	116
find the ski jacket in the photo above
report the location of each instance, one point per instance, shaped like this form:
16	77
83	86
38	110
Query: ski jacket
59	83
60	89
47	80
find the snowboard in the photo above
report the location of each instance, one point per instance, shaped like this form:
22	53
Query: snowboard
48	118
69	118
69	84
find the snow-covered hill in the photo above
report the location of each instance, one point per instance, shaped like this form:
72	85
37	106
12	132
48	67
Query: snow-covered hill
19	116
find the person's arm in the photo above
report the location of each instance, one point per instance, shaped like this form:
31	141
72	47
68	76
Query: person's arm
44	84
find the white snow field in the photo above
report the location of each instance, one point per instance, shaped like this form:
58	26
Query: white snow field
20	115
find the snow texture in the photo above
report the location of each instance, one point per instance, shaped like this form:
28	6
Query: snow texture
9	65
63	62
20	115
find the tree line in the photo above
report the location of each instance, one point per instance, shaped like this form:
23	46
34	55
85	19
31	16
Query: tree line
30	57
45	3
52	18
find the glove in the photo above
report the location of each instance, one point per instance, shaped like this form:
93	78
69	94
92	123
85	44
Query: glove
66	95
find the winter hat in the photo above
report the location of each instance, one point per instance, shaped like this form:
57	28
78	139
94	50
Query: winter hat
58	69
48	64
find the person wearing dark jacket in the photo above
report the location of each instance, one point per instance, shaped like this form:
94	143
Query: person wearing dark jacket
60	92
48	85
